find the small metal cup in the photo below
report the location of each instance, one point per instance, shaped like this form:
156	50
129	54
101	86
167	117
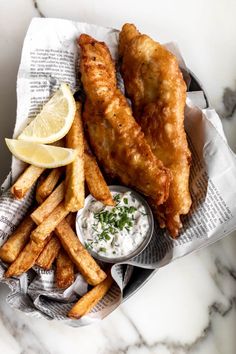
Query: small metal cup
143	244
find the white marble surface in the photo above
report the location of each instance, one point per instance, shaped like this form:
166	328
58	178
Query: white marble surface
189	306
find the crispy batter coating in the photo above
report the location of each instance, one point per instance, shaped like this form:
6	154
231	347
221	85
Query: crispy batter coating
154	83
115	136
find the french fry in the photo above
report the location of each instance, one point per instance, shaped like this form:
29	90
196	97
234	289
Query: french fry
16	242
26	181
45	209
94	178
71	219
74	198
90	299
49	253
64	270
26	259
47	186
59	143
40	181
85	263
48	225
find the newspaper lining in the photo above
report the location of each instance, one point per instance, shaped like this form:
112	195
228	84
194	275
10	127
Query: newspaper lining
50	56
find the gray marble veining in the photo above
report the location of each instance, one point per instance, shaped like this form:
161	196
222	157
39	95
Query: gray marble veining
36	6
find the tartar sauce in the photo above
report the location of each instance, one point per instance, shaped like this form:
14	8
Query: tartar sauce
115	231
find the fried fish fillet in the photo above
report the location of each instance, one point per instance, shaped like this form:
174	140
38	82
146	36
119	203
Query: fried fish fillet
115	136
154	83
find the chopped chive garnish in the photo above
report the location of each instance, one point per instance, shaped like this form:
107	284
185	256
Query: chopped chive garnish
117	198
132	209
109	222
87	246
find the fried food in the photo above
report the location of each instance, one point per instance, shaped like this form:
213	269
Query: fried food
96	183
46	208
84	262
49	253
154	83
74	184
40	181
47	185
90	299
71	219
64	270
16	242
26	181
48	225
26	258
114	135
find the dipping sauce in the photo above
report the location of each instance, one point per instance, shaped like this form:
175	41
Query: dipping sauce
115	231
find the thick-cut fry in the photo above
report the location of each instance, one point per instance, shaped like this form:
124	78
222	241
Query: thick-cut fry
74	198
89	300
16	242
40	181
71	219
26	259
25	181
94	178
45	209
85	263
59	143
64	270
49	253
48	225
46	187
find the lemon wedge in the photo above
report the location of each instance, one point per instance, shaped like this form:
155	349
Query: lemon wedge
46	156
55	119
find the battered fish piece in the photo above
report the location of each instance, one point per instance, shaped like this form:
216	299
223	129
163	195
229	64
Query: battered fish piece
154	83
115	136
